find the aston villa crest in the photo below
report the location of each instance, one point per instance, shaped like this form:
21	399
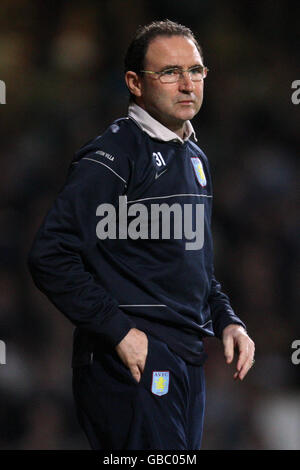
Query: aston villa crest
160	382
199	172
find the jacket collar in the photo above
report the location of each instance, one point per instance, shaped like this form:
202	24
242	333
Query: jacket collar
155	129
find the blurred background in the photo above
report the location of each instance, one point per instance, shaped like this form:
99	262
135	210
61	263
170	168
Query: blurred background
62	63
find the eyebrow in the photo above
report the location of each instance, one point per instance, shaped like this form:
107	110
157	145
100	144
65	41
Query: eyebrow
167	67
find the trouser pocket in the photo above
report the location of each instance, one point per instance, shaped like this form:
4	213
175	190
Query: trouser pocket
164	371
117	412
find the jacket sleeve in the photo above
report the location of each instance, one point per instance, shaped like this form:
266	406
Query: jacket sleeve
56	260
222	313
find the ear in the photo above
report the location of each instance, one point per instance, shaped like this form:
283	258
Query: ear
133	82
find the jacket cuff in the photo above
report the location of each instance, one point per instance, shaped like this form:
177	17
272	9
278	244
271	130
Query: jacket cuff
229	321
116	327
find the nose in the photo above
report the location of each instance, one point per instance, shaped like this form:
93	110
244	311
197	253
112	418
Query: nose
185	82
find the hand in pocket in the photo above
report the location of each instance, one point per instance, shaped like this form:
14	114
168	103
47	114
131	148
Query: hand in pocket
133	351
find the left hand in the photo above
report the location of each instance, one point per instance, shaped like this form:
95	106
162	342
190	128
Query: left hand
235	336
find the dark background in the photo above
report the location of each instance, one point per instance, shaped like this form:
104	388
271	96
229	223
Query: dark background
62	62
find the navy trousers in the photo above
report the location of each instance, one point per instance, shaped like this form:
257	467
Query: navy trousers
164	411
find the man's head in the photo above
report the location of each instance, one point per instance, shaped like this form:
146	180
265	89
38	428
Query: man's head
156	47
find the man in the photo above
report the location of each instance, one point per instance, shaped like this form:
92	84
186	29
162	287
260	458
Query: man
142	295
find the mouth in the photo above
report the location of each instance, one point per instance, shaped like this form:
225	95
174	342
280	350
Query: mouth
186	102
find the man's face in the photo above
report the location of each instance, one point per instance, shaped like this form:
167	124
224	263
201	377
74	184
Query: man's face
171	103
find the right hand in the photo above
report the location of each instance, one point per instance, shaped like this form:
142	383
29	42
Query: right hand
133	350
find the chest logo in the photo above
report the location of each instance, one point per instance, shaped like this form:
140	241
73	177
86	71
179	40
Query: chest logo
198	168
160	382
161	173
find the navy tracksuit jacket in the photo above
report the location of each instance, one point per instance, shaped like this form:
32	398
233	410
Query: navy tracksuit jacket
107	286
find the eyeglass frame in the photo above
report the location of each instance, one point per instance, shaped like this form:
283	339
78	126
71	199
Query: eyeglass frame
181	72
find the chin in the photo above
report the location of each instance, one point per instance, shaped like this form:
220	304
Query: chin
186	115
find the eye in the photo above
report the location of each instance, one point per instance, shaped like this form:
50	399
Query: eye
170	72
196	70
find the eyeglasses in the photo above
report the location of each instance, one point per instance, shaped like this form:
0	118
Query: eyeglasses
172	75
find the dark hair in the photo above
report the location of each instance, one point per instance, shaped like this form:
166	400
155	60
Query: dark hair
137	50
